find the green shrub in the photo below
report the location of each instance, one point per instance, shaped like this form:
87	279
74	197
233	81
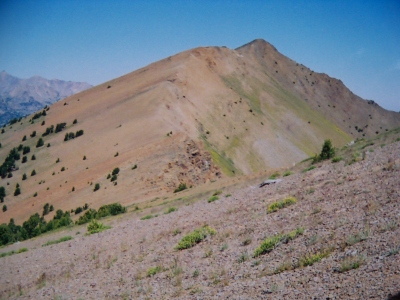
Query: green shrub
96	187
310	259
17	190
350	263
153	271
274	176
195	237
243	257
89	215
22	250
147	217
336	159
12	252
170	210
115	171
60	240
271	243
275	206
287	173
95	227
104	211
308	169
212	199
181	187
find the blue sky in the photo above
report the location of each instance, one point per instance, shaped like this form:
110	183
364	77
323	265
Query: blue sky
95	41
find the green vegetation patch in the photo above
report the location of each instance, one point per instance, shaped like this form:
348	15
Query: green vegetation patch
310	259
274	176
252	96
181	187
225	163
60	240
195	237
12	252
212	199
309	169
336	159
95	227
271	243
170	210
275	206
112	209
350	263
154	270
287	173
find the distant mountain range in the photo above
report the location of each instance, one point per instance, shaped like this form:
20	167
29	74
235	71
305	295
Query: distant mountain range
21	97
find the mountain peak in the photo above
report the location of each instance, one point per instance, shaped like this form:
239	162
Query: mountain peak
257	44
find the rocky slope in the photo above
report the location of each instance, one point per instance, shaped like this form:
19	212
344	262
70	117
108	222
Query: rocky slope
349	211
21	97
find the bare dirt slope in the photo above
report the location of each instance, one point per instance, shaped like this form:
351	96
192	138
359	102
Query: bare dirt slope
196	117
349	212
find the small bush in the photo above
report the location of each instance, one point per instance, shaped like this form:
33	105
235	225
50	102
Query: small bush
147	217
310	259
350	263
273	207
170	210
96	187
308	169
336	159
216	193
287	173
195	237
12	252
39	143
95	227
115	171
181	187
274	176
153	271
243	257
271	243
359	237
212	199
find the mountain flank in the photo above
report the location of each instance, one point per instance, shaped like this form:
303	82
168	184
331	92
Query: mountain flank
21	97
337	238
209	114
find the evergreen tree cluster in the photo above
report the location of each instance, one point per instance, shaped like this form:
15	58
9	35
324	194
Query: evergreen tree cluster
9	163
34	226
104	211
71	135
